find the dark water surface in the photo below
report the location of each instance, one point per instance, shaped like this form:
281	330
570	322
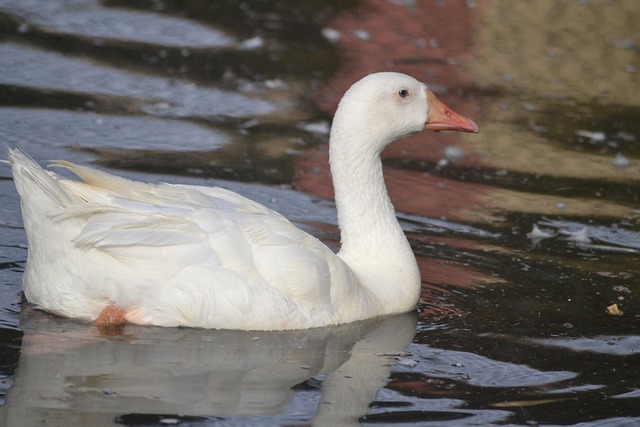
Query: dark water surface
513	327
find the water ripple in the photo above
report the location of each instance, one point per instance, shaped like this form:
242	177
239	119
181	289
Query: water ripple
89	19
30	67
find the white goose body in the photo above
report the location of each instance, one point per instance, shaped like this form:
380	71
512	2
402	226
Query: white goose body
179	255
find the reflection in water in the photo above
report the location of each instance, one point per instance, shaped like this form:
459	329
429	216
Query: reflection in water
617	345
68	373
96	131
88	18
145	94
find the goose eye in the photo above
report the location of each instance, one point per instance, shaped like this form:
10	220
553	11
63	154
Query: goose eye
403	93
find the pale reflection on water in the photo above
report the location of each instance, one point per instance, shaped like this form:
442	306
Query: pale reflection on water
68	373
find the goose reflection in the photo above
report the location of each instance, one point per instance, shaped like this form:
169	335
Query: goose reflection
69	374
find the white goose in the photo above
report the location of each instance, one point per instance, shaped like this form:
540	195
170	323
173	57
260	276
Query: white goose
111	250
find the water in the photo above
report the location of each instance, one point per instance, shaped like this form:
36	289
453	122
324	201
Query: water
513	325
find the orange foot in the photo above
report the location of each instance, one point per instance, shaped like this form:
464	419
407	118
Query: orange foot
111	316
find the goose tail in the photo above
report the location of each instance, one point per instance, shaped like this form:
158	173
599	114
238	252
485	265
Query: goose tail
32	181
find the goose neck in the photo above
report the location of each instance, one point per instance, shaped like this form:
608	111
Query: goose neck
366	216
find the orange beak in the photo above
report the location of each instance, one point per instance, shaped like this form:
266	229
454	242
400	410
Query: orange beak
442	117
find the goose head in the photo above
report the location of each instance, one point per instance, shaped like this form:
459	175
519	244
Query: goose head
383	107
